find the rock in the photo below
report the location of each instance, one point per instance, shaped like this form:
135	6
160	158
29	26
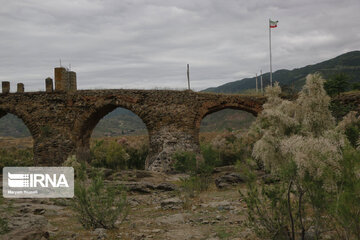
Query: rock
229	179
172	203
147	187
25	210
106	172
205	222
143	174
39	211
223	205
166	186
172	219
139	187
133	202
229	168
138	236
101	233
185	232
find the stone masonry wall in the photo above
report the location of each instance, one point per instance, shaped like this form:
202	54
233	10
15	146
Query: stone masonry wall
61	123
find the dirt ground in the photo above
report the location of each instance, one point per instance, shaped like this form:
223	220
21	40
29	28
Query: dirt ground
155	213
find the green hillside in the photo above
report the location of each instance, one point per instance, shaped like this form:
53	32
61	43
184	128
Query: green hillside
12	126
120	122
225	120
348	63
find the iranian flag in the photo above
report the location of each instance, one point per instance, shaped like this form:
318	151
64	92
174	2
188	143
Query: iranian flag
273	24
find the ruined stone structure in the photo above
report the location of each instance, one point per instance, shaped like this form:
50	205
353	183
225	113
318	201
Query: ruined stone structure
20	88
61	122
65	80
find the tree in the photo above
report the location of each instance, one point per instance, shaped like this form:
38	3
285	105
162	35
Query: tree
337	84
355	86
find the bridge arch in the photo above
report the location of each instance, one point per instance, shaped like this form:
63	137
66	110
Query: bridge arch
26	118
30	125
208	109
85	124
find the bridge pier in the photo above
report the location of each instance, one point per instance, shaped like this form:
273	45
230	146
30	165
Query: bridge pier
164	143
52	148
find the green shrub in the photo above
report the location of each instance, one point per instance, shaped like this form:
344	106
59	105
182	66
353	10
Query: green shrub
247	167
4	228
227	149
195	184
98	206
352	133
137	156
267	213
339	110
337	84
185	161
109	155
118	156
13	157
346	206
211	155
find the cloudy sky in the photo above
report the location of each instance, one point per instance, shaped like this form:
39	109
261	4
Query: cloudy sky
147	44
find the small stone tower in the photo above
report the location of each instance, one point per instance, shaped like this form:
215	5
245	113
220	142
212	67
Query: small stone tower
65	80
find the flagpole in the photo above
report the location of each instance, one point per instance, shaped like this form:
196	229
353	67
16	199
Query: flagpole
261	81
270	54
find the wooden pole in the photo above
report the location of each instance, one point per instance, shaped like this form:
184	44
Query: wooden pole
188	76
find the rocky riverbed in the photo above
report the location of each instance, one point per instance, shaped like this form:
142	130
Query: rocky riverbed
158	210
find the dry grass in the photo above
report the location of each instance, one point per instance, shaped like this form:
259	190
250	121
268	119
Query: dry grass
9	142
27	142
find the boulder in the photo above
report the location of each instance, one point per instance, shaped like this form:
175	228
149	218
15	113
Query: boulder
100	233
229	179
166	186
172	203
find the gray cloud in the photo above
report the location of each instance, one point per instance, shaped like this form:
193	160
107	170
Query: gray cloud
147	44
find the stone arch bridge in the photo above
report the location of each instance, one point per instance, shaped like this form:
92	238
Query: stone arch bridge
61	123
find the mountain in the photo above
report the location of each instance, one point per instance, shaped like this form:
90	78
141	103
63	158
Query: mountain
12	126
120	122
348	63
225	120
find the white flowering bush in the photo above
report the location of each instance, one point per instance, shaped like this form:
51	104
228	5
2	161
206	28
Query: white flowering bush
300	144
302	131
